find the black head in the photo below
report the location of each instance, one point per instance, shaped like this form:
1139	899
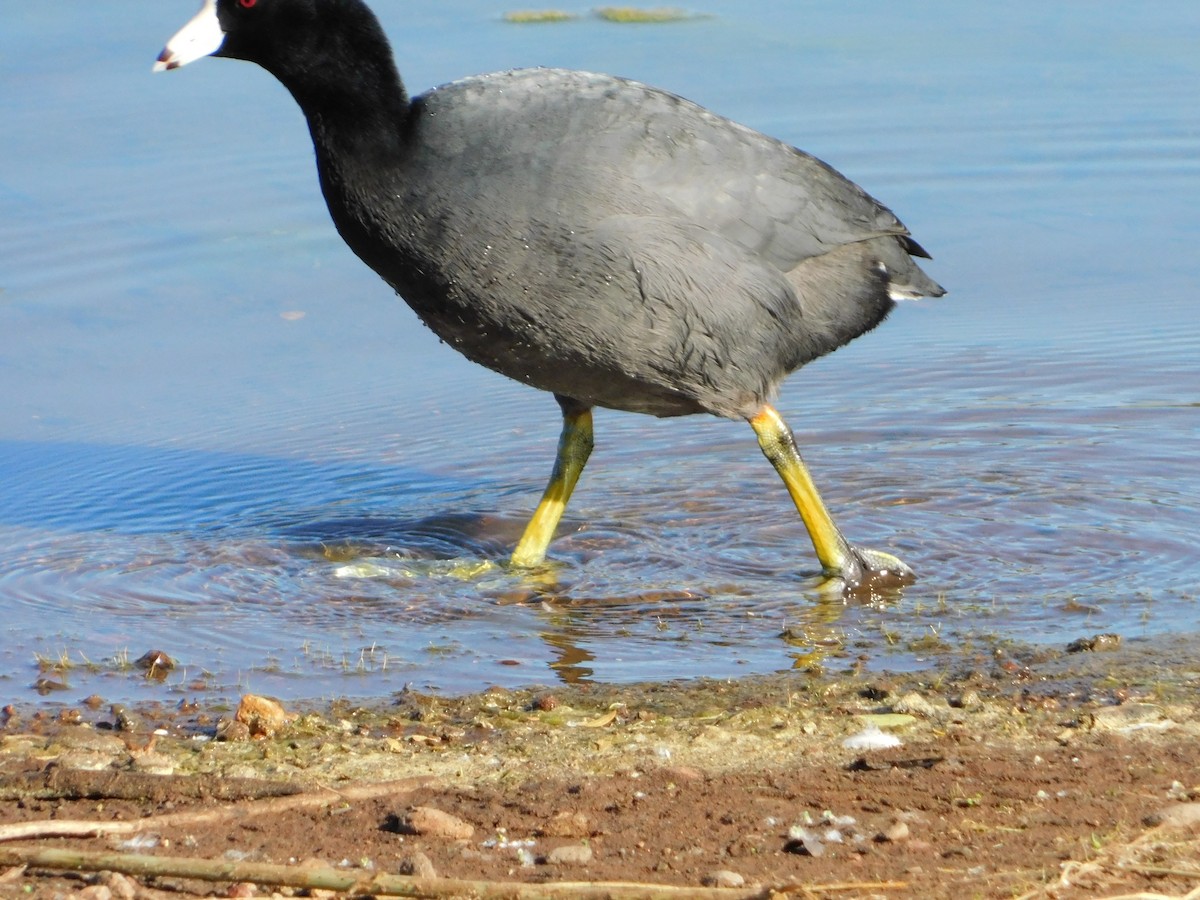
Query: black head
283	36
268	32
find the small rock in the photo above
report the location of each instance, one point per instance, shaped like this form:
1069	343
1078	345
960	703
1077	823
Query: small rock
232	731
683	773
969	699
894	833
1095	643
241	890
1177	815
152	763
1178	792
723	878
432	822
570	855
122	719
156	665
879	691
568	824
418	865
262	715
94	892
914	704
121	887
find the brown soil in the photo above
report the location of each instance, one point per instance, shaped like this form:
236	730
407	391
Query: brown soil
1022	777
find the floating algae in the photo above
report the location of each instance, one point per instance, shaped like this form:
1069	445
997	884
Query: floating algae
538	16
634	14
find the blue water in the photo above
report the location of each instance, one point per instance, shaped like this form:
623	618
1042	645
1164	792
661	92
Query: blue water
221	436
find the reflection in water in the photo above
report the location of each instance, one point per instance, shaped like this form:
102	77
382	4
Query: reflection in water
568	659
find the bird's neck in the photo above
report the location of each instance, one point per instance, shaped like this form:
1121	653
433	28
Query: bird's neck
345	80
359	121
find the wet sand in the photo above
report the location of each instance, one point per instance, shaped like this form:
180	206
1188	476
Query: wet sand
1030	775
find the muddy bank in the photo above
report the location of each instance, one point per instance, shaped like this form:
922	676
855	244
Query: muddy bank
1025	774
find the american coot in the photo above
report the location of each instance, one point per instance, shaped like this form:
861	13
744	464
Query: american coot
608	242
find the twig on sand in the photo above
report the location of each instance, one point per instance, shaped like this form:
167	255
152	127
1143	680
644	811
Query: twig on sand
359	882
1164	870
323	797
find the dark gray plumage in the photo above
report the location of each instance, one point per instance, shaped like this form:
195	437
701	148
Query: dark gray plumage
619	245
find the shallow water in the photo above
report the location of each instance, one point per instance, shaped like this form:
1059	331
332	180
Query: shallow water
222	437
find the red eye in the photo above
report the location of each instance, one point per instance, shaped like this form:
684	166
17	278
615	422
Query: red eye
247	4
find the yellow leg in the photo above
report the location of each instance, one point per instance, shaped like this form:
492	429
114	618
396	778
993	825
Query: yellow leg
836	555
574	448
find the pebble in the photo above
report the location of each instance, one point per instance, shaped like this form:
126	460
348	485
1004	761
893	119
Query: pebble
568	824
969	700
880	690
683	773
914	704
724	878
418	865
232	731
122	719
152	763
1095	643
264	716
426	820
1177	815
894	833
120	887
570	855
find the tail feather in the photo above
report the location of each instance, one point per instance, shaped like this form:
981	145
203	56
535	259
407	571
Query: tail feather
906	280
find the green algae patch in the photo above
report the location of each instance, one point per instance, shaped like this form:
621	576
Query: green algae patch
637	15
538	16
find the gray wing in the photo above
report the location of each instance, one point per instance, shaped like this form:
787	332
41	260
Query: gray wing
631	149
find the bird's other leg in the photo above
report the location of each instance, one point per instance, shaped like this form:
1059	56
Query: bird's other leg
838	558
574	448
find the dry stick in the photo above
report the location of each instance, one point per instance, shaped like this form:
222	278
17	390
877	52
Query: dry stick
330	879
1161	870
324	797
